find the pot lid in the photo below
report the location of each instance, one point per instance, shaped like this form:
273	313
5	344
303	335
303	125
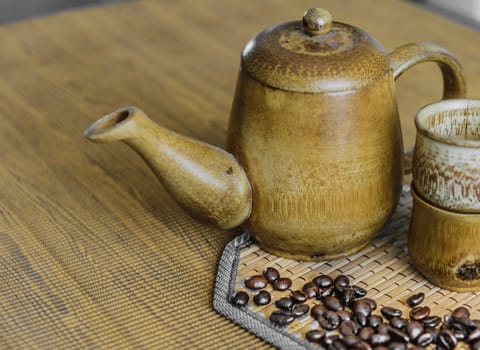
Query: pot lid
315	55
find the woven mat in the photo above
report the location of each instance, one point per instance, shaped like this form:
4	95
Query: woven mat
383	267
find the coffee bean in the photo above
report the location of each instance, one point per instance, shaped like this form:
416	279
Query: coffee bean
366	333
298	297
474	336
374	320
310	290
455	326
329	321
282	283
318	310
348	328
344	315
390	312
380	347
362	306
398	335
447	320
425	339
446	339
271	274
359	292
341	281
434	332
415	299
371	302
240	299
300	309
315	335
399	322
431	321
414	329
332	303
397	346
326	292
460	334
460	313
417	347
281	319
380	339
351	340
256	282
311	293
475	346
329	340
383	328
362	345
348	296
361	319
323	281
464	324
338	345
477	323
450	326
287	312
419	313
262	298
284	303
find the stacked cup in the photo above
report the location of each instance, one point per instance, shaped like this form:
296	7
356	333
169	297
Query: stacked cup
444	233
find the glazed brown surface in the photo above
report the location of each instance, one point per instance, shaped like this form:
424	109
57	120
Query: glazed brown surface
443	245
207	181
311	158
286	57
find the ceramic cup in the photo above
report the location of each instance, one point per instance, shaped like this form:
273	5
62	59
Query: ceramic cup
446	162
443	245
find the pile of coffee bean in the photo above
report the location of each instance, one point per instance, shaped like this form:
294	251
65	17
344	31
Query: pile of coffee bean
346	317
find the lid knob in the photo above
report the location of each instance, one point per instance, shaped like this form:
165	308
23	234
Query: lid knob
317	21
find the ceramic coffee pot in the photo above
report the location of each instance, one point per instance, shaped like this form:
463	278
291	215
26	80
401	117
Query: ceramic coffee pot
313	166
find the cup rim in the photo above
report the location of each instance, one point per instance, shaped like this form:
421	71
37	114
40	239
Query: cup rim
442	211
445	105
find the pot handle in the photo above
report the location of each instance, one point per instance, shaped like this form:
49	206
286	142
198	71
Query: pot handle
406	56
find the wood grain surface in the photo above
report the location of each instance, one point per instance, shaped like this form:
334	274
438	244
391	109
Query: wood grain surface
93	252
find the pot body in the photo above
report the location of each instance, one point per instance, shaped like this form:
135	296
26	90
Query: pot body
325	168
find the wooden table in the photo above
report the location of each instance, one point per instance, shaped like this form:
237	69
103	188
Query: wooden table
93	252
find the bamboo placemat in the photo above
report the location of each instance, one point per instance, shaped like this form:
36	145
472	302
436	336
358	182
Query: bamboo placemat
383	268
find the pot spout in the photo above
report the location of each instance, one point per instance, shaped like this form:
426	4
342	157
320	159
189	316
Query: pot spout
206	181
